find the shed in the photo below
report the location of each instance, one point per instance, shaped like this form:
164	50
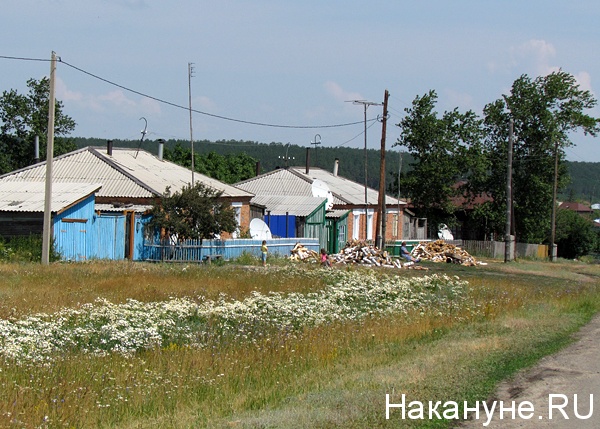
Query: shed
72	213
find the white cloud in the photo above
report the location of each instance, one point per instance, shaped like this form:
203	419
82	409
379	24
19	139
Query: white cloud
339	93
584	80
114	101
65	94
535	55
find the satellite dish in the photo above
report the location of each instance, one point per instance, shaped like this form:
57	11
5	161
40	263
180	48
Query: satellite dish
259	230
320	189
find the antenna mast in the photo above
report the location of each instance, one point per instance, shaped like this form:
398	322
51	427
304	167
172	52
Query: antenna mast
190	74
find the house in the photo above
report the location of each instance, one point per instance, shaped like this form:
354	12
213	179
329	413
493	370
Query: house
132	181
347	216
22	206
294	216
582	209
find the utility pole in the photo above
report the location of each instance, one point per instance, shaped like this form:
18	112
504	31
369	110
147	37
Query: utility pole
381	213
366	104
316	142
49	158
552	250
190	72
508	238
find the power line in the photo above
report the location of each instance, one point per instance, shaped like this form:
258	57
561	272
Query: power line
262	124
4	57
226	118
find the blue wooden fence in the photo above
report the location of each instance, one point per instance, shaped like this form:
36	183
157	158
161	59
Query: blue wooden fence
194	251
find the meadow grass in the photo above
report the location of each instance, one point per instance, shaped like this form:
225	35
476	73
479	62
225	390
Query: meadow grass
447	346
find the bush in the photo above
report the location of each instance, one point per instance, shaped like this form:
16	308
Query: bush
24	249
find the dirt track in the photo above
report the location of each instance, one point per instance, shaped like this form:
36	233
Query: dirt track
573	371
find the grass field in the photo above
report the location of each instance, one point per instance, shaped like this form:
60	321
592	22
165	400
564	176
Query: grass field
133	345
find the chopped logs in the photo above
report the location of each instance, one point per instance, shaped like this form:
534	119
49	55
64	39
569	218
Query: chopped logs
440	251
301	253
355	252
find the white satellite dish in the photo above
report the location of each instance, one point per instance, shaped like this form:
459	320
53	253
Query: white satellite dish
321	190
259	230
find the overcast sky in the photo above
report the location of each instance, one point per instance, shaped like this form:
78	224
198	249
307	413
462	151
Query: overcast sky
290	63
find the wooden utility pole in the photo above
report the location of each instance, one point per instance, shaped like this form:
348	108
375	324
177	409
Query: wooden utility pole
381	213
509	238
47	226
552	251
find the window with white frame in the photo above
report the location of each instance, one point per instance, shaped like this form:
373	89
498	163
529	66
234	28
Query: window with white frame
237	208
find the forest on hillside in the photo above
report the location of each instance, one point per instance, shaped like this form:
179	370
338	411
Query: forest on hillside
584	184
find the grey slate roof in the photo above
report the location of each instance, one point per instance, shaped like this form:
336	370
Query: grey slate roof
295	181
292	205
30	196
127	173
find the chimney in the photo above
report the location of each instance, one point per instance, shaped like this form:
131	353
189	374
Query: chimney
36	150
161	148
307	160
258	168
109	147
336	166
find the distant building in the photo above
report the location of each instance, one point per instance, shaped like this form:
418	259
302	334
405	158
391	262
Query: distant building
576	207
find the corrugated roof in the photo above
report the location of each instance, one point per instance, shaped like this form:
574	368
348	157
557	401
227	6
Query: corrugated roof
138	208
276	183
294	181
127	173
293	205
352	192
158	174
30	196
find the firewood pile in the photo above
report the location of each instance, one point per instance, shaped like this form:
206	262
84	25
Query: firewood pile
301	253
360	252
440	251
355	252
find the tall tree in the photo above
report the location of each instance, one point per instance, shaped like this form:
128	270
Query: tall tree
545	110
444	150
23	117
196	212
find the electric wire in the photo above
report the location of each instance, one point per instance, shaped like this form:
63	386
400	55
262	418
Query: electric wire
169	103
212	115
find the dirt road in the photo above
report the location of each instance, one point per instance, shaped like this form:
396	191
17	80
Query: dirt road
552	387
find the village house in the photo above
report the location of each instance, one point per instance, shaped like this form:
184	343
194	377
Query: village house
131	182
346	216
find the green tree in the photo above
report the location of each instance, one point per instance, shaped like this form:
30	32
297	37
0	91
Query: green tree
230	168
444	151
22	118
575	235
196	212
545	111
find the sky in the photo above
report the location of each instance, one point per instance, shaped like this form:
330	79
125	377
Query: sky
288	71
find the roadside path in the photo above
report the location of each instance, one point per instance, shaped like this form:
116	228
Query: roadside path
572	371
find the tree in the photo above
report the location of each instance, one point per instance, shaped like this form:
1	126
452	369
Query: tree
22	118
444	151
575	235
545	111
230	168
195	212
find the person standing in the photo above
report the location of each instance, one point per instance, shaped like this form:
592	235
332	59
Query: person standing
264	250
325	259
